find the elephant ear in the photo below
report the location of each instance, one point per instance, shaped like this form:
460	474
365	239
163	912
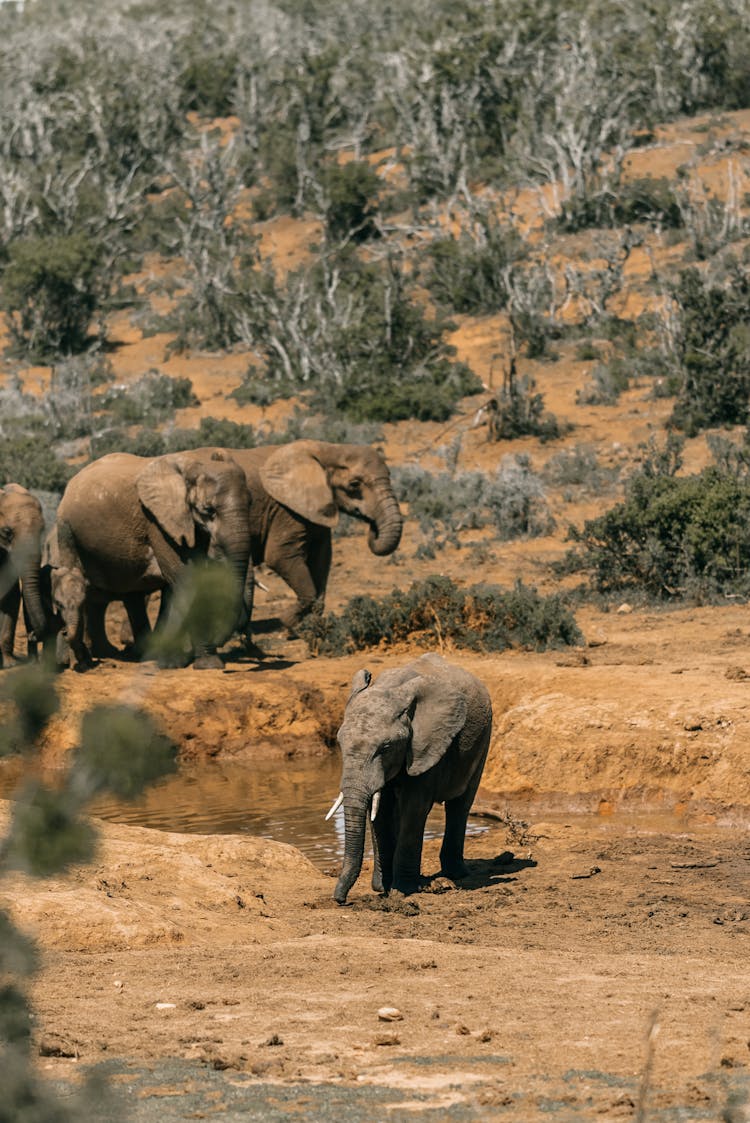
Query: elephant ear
294	476
163	492
439	714
360	682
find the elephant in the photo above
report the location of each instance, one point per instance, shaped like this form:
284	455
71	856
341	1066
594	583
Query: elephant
416	736
21	530
128	525
296	492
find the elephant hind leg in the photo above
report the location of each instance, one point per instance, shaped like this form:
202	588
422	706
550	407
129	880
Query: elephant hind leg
456	816
413	808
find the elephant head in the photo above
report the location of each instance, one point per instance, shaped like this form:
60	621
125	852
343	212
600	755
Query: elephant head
400	727
68	594
21	529
317	480
199	500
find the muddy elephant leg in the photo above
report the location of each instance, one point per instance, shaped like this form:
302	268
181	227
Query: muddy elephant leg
414	803
9	608
383	832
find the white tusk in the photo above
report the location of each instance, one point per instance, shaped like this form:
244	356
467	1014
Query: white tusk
375	806
260	584
336	804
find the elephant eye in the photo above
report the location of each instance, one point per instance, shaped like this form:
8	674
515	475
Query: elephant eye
208	512
354	488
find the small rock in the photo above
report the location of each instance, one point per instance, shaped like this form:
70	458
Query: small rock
273	1040
387	1039
625	609
390	1014
118	983
692	724
166	1005
462	1030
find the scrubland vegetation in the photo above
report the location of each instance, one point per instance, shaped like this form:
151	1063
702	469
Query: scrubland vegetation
175	132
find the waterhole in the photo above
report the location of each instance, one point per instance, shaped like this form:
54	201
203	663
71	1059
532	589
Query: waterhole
286	802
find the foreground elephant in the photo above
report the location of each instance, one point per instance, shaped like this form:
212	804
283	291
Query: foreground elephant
21	529
418	735
130	525
296	493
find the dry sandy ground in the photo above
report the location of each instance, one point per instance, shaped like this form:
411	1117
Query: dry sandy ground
527	992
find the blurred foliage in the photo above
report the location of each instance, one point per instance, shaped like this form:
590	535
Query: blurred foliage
437	611
121	751
205	603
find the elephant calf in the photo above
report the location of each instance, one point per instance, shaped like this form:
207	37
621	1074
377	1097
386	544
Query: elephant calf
418	735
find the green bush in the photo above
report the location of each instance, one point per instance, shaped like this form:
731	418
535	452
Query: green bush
152	398
435	611
51	288
29	460
672	536
120	752
607	382
711	350
470	273
517	410
351	201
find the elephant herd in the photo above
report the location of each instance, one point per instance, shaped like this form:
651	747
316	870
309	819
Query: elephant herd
128	526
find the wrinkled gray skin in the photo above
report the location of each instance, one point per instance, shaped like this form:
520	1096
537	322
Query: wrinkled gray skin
21	530
296	493
419	735
129	525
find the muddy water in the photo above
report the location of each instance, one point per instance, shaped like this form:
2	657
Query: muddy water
286	802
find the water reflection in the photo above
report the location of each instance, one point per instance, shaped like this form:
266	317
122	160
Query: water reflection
286	802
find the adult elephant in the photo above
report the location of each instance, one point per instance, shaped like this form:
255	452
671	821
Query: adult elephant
21	530
131	525
419	735
296	493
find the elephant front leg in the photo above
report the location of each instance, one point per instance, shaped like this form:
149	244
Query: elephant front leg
452	851
9	608
456	816
383	831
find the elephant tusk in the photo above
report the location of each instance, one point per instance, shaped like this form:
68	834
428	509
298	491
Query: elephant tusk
375	806
260	585
335	806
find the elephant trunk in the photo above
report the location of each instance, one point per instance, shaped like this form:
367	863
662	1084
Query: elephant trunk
355	819
32	597
385	532
234	549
